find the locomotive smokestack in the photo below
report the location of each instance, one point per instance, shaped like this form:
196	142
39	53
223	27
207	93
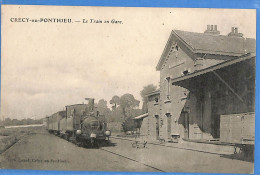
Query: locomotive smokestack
91	103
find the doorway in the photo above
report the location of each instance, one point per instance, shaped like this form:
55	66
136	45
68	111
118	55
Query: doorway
169	128
215	117
186	124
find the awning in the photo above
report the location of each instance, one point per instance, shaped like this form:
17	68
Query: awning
224	72
141	116
153	93
213	68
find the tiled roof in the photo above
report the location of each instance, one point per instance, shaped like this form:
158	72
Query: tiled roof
214	44
217	44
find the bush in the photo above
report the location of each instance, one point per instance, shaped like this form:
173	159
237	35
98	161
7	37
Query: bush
115	127
128	125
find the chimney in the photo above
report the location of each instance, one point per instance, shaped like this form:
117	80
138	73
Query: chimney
212	29
233	29
234	32
215	27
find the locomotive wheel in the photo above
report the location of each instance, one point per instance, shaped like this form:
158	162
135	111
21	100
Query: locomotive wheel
84	144
92	143
66	137
108	142
79	142
96	144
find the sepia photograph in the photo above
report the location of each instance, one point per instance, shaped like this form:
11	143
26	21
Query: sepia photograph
128	89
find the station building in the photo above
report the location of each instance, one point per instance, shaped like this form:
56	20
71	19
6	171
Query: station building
202	76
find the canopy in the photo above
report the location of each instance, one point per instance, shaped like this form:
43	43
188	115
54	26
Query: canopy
141	116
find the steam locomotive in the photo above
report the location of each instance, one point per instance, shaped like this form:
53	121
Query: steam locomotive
81	124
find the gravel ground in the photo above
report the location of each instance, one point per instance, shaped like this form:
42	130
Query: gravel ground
44	151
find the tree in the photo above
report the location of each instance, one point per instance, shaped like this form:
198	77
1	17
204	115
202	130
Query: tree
7	122
102	107
115	101
102	103
116	115
128	102
15	122
146	90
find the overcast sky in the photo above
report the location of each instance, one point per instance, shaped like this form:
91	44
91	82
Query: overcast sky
46	66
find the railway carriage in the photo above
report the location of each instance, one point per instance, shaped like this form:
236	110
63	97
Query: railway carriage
47	123
238	130
56	118
63	126
50	124
53	123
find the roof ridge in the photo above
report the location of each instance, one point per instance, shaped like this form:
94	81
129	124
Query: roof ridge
209	34
214	44
184	40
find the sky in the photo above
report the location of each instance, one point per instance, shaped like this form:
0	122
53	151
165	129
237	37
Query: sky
46	66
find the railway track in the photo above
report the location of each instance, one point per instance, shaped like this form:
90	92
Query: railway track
102	149
13	143
111	152
128	158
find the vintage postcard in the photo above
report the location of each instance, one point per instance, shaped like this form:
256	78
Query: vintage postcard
128	89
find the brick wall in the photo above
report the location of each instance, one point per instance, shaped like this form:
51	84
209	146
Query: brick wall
150	121
174	98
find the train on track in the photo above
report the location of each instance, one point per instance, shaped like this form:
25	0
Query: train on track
81	124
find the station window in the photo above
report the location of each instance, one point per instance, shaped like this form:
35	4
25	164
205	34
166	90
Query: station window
168	88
